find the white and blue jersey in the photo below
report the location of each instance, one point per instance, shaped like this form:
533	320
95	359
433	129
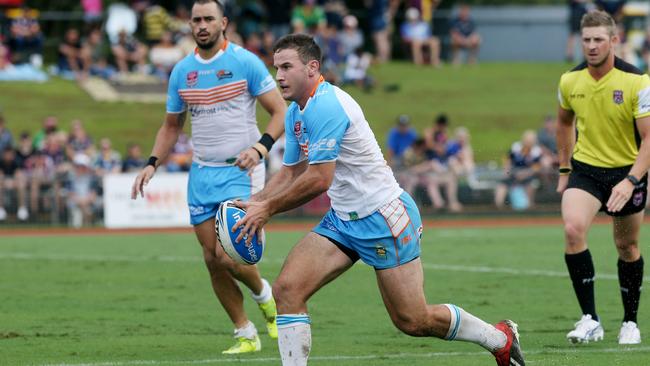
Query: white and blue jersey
219	95
371	216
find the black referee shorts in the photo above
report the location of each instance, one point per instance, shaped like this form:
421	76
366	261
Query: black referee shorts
599	182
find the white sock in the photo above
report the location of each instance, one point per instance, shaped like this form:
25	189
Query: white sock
466	327
247	331
294	338
265	295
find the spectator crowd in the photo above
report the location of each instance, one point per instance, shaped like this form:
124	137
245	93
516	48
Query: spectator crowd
60	172
144	37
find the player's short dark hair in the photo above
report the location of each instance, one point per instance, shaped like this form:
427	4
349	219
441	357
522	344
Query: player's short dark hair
598	18
304	44
220	6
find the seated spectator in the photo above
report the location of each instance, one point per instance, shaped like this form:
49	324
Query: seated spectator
444	177
350	38
70	61
94	57
82	192
460	149
308	18
50	125
436	136
41	174
26	39
464	36
521	171
356	70
108	161
164	55
548	144
54	147
24	150
432	174
79	141
180	158
399	138
417	34
134	160
6	138
127	50
12	177
21	72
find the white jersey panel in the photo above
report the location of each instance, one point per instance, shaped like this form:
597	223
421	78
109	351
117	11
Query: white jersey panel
363	181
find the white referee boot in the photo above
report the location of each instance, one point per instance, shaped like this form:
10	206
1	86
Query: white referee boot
629	334
587	330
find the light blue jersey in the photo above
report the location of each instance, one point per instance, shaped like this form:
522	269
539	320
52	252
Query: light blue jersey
371	218
219	95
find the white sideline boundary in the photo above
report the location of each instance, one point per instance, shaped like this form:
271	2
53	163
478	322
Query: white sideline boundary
180	259
353	358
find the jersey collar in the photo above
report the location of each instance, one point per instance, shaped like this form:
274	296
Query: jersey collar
321	79
221	51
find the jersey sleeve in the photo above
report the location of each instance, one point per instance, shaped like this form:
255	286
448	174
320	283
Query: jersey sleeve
292	152
561	95
642	100
325	140
259	79
175	103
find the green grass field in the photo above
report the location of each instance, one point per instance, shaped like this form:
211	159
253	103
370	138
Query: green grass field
496	101
145	299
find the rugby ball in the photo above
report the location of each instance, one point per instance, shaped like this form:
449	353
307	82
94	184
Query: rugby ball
241	252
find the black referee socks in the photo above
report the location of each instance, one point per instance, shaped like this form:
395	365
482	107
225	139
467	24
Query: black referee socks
630	277
581	271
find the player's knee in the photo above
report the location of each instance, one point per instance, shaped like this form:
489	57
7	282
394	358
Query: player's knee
574	232
283	293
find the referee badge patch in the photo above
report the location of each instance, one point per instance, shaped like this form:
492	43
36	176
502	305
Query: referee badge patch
618	96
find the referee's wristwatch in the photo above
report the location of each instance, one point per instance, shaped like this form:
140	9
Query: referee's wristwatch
634	180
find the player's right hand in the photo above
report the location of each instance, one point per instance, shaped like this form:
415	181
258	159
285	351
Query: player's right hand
562	183
141	181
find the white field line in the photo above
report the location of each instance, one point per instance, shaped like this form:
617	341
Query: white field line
577	350
430	266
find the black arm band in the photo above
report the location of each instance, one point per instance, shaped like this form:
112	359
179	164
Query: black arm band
152	161
267	141
564	170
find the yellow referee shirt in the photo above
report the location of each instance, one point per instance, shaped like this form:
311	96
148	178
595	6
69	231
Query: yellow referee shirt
606	111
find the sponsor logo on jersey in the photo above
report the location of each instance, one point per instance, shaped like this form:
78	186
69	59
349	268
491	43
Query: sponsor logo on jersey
618	96
224	74
192	78
297	129
380	251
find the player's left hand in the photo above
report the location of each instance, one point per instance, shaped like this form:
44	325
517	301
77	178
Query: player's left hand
257	215
621	193
248	159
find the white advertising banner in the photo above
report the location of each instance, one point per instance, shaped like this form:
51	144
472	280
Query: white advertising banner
164	203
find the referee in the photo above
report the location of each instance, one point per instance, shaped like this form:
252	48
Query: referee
603	159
